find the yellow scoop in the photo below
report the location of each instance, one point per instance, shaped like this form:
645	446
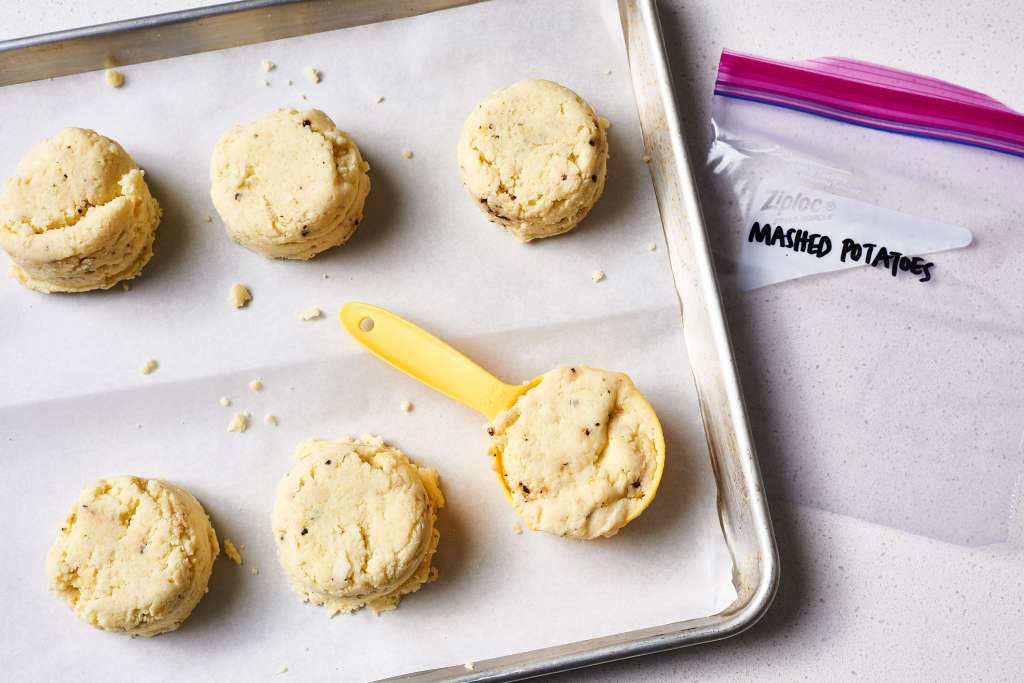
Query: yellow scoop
426	358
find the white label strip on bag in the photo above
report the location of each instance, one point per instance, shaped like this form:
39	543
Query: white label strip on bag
793	231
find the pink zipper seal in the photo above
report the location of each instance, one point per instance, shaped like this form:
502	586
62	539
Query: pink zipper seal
874	96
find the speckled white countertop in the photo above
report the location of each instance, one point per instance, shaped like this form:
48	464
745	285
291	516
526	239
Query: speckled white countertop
857	601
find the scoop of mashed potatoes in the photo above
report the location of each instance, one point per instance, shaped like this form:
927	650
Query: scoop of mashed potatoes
579	452
289	185
77	215
133	555
355	524
534	157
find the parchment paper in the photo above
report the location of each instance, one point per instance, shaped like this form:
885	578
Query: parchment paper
75	408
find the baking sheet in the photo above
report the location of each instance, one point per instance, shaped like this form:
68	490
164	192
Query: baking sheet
75	407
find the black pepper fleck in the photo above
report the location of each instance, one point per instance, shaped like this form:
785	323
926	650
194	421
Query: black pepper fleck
490	430
238	195
305	230
306	122
591	143
594	178
327	462
564	176
587	432
524	488
636	484
304	531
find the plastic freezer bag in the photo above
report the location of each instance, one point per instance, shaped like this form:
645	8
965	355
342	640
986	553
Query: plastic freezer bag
868	229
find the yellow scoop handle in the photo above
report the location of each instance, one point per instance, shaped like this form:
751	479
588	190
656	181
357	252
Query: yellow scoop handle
426	358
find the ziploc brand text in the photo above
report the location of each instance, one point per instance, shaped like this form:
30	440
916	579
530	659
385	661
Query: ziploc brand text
780	200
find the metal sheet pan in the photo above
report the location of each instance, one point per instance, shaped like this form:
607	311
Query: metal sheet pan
742	505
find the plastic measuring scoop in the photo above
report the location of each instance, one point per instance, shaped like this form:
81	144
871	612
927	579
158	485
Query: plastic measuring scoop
426	358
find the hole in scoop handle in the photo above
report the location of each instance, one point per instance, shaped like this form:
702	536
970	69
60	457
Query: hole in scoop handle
426	358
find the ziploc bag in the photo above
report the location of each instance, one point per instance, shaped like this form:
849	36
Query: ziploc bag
868	230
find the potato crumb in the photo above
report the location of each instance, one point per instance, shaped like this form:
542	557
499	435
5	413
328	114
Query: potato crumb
312	74
310	314
266	82
138	425
232	552
652	246
268	65
148	366
239	423
407	406
378	98
254	571
301	96
239	296
326	276
605	123
288	82
270	419
114	78
469	666
597	275
256	385
517	528
208	218
607	72
407	153
225	401
282	670
646	158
